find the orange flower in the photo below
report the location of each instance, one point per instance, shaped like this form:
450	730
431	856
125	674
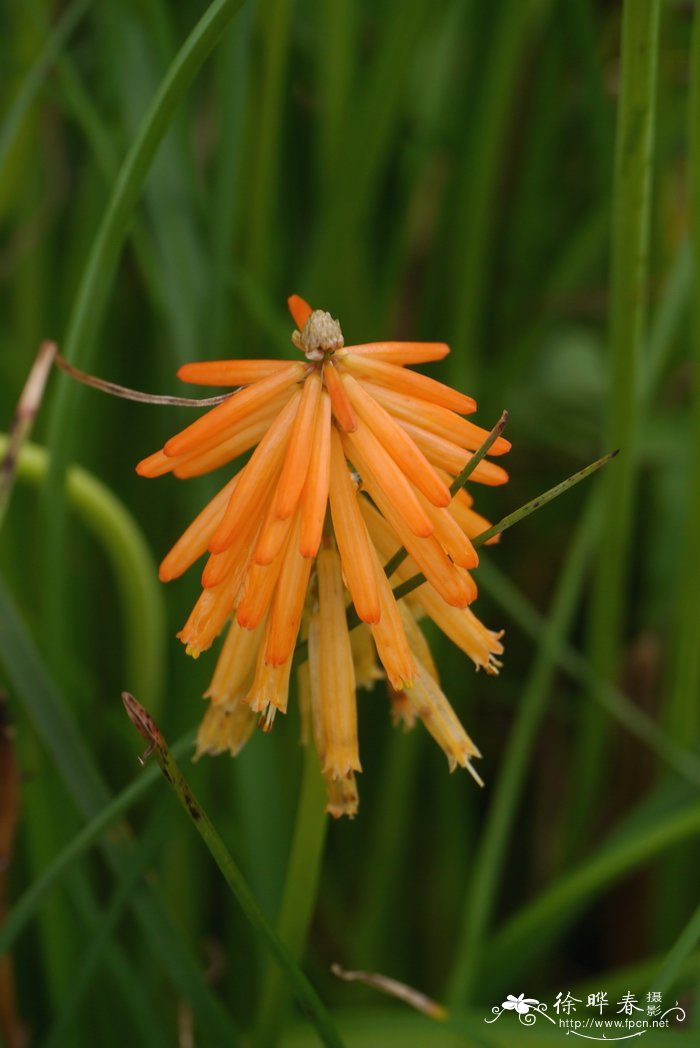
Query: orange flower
353	456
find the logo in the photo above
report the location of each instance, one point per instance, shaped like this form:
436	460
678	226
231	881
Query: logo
598	1019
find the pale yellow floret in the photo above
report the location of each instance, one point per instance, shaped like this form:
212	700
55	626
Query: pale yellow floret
225	729
403	712
461	625
231	565
304	686
259	584
364	657
440	720
208	616
338	706
314	678
417	642
389	635
270	688
342	796
236	664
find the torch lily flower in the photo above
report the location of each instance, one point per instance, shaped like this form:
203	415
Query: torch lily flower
352	457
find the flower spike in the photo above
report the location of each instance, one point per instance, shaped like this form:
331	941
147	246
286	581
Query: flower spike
352	456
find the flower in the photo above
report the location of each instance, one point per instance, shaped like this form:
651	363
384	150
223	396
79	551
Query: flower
353	456
520	1004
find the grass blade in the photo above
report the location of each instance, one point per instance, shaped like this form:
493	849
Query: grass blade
90	794
28	903
299	899
514	518
629	291
302	988
526	934
509	788
610	699
135	573
91	957
96	278
55	41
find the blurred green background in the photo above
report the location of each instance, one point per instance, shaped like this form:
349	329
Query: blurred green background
507	177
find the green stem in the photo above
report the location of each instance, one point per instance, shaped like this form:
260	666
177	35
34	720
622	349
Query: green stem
668	323
678	955
137	999
514	518
97	945
134	570
300	889
26	906
527	933
683	717
301	987
47	708
474	237
629	292
509	790
682	684
338	24
370	125
276	26
638	976
541	500
97	275
610	699
388	842
235	86
55	41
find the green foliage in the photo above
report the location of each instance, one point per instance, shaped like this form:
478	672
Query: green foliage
515	178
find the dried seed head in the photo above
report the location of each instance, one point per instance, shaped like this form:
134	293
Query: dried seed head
321	335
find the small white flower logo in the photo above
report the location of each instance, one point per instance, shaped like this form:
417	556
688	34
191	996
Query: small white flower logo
520	1004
